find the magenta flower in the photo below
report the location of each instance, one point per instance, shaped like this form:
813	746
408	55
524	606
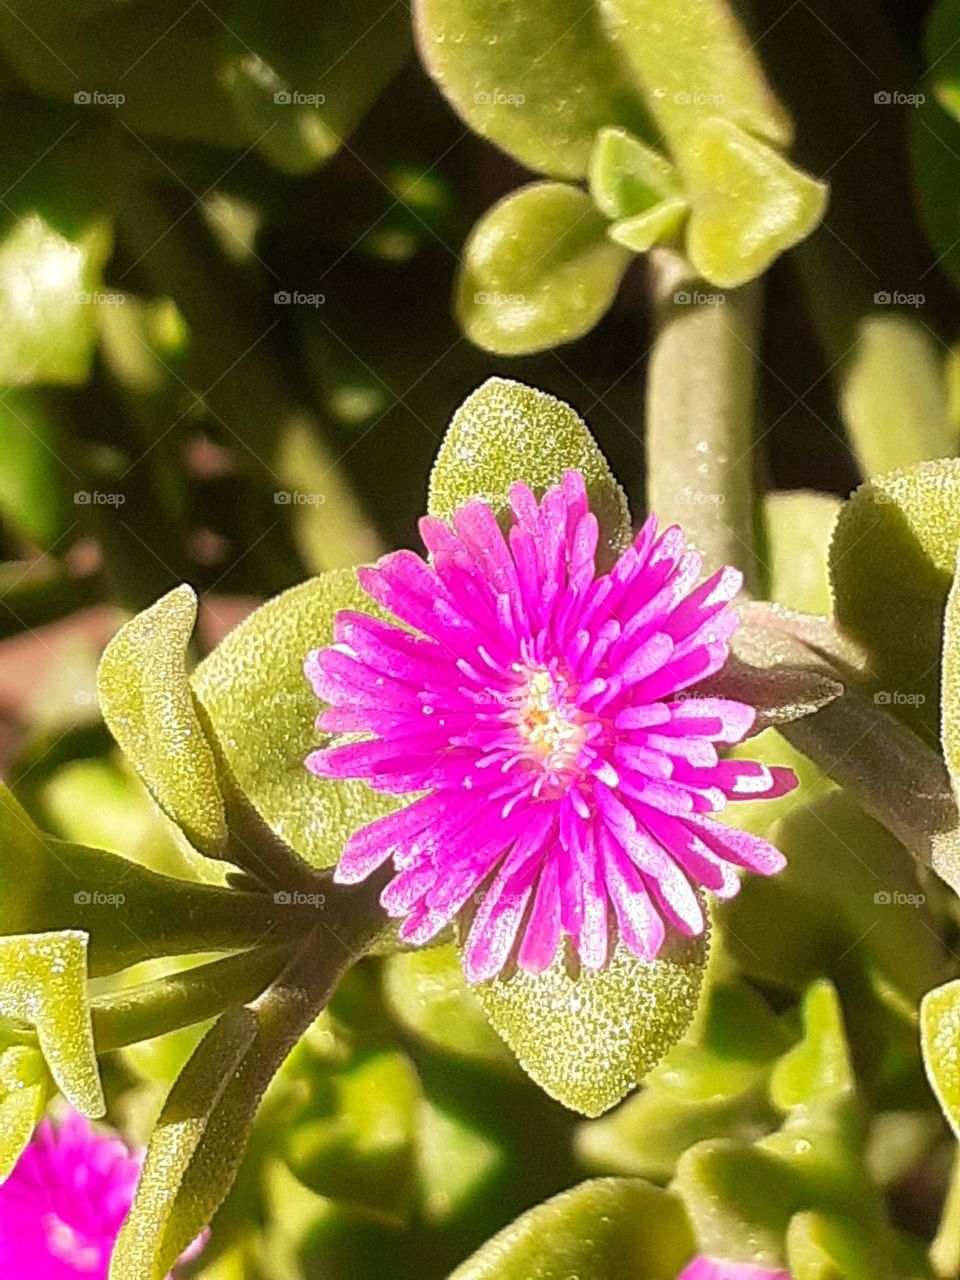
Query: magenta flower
703	1268
568	778
63	1205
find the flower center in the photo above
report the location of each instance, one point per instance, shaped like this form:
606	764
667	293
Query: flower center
550	721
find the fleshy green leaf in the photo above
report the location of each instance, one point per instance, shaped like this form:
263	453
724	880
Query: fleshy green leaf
146	700
627	177
143	1250
605	1229
303	75
506	432
892	560
538	270
47	313
588	1038
940	1041
950	696
696	63
656	225
748	204
199	1141
711	1085
488	56
263	710
43	982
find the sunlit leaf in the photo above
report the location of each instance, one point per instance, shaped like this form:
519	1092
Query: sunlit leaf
588	1038
940	1041
696	62
43	983
538	270
489	59
606	1229
128	912
47	310
627	177
146	700
748	204
505	432
264	712
142	1251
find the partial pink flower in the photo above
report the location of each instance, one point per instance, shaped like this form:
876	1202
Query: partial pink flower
568	778
703	1268
62	1207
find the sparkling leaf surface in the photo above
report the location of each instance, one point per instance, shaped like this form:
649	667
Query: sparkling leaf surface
506	431
43	982
587	1039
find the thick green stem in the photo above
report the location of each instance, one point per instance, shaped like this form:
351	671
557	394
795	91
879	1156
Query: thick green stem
182	999
701	386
